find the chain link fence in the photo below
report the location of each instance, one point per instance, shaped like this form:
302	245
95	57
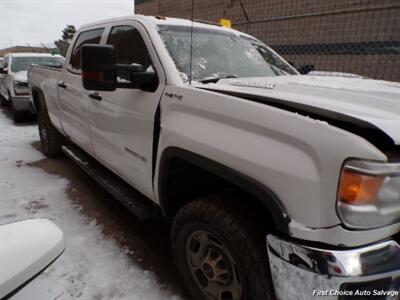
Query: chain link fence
352	36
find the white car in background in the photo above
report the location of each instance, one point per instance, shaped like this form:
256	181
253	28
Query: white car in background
14	85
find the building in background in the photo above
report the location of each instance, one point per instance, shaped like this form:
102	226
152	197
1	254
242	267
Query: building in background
25	49
356	36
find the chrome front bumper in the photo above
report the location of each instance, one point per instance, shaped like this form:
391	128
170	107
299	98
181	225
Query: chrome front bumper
302	272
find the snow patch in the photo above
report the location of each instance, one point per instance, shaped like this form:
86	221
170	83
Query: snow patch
92	266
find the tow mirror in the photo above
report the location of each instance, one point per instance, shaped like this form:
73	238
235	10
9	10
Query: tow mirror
98	68
26	249
101	73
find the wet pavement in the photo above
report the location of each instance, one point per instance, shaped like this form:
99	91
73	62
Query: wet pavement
145	242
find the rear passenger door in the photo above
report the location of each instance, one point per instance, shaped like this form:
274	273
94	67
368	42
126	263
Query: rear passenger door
73	98
123	121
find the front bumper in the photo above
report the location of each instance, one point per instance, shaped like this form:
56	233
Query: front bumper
303	272
23	104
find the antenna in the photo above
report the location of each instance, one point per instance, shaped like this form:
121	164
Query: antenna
44	46
191	43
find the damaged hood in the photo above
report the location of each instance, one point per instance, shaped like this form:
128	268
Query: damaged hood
373	102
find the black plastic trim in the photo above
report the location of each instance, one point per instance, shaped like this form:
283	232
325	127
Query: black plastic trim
156	139
261	192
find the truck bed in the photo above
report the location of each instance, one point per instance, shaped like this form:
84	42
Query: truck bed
45	78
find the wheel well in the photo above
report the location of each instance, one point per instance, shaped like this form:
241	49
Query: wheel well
184	177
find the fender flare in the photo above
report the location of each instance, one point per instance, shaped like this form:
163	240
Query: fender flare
266	196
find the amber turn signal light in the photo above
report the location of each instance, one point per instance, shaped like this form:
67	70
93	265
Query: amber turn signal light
359	189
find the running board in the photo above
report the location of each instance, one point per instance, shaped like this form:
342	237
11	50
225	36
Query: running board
136	202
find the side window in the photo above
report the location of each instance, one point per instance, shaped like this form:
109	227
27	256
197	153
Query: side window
86	37
129	46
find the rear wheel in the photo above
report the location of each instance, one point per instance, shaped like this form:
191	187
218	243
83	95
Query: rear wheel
51	139
220	250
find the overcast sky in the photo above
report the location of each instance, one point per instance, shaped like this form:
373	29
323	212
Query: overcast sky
37	21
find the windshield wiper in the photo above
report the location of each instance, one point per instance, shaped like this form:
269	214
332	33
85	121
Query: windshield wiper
215	79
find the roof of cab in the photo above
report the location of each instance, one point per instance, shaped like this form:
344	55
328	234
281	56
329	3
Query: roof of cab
160	20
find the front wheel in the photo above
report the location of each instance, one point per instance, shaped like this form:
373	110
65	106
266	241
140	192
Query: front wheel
220	251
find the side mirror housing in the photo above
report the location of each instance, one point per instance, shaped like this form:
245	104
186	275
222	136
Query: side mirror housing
101	73
26	249
98	68
3	71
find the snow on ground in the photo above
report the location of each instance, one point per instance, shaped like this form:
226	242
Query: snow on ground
92	267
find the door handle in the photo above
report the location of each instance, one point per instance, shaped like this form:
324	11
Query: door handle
95	96
62	84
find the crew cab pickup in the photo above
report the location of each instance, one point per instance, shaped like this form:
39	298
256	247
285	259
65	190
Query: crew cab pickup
278	185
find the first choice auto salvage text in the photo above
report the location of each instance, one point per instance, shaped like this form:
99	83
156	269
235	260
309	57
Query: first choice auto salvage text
388	293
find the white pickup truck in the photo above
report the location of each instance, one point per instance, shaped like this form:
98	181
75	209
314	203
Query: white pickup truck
279	186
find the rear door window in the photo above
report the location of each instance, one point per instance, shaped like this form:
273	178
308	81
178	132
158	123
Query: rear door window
86	37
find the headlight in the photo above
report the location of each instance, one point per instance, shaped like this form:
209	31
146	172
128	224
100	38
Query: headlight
369	194
20	88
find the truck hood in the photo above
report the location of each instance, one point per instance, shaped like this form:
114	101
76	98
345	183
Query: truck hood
365	103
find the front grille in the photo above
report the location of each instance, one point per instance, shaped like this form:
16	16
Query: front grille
22	84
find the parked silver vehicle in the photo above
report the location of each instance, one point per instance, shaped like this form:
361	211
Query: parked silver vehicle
278	185
14	90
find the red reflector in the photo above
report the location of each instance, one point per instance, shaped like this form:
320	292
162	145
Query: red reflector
93	75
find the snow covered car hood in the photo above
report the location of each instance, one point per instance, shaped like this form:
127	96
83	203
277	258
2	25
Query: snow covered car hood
372	102
21	76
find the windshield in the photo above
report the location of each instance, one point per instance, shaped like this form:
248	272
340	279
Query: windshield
22	63
219	53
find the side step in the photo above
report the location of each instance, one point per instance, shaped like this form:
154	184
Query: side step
136	202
